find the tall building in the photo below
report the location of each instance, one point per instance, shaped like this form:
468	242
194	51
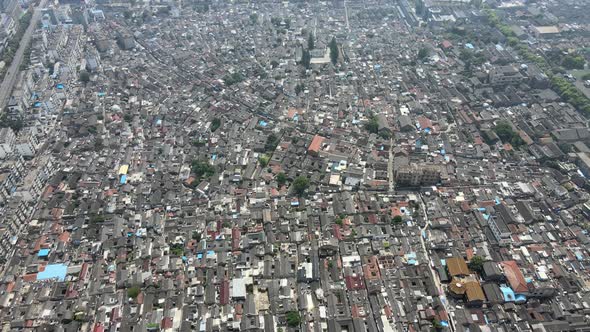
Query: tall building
414	175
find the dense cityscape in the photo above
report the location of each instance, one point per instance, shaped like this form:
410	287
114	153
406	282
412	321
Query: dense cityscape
212	165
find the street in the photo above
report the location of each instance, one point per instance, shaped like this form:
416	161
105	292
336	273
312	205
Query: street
13	71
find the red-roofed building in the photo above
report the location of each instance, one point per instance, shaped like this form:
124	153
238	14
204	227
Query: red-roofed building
316	145
167	323
224	292
98	327
354	282
514	276
235	238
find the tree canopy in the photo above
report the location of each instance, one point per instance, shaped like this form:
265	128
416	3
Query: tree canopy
202	169
334	51
305	59
293	318
215	124
300	185
476	264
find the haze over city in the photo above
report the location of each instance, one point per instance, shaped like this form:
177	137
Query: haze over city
360	166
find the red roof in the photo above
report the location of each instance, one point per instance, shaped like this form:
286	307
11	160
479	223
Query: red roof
316	144
354	282
235	238
424	122
514	276
224	292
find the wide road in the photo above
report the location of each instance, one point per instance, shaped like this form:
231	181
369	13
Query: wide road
13	70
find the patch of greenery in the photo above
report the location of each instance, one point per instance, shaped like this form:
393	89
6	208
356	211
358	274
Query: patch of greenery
372	125
476	264
7	122
300	185
233	79
84	76
293	318
305	59
133	292
202	169
505	132
334	53
570	93
281	179
573	61
299	88
263	160
215	124
177	249
423	53
271	143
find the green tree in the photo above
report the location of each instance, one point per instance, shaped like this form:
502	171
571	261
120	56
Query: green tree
293	318
573	61
16	124
84	76
254	18
196	236
334	51
504	130
305	59
202	169
281	179
271	143
310	42
233	78
373	125
476	264
299	88
133	292
263	160
423	53
300	185
215	124
396	220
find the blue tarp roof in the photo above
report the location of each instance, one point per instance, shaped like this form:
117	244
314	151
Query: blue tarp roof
60	86
508	294
53	271
43	253
123	179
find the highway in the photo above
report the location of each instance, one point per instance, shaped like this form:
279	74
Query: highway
12	73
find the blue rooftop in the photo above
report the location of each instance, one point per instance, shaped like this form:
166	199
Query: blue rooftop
508	294
43	253
60	86
263	123
123	179
53	271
